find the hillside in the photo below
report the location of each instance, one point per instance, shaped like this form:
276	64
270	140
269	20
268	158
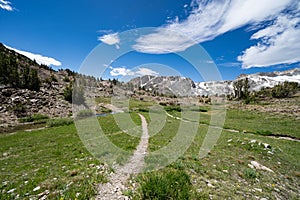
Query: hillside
28	88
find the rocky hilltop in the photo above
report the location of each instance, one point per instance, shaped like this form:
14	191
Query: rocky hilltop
27	88
167	85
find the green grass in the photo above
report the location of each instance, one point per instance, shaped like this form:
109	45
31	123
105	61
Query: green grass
172	184
56	160
136	105
53	159
163	137
257	122
226	166
121	139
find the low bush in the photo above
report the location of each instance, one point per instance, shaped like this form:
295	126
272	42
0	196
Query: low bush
35	118
167	185
143	110
250	173
59	122
173	108
264	133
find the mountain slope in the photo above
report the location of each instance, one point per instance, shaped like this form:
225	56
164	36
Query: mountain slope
27	88
180	86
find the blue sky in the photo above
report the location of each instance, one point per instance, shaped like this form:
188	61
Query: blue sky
240	36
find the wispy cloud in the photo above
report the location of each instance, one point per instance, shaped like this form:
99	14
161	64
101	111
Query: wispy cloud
123	71
146	71
6	5
278	43
39	58
208	20
277	36
229	64
110	39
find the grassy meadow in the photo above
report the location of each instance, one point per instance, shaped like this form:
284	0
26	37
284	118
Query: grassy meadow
53	163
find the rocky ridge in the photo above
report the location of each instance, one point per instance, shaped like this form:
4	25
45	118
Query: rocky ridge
181	86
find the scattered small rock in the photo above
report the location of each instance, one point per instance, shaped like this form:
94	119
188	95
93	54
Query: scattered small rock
256	165
74	173
208	183
36	188
91	165
44	194
4	183
266	145
11	191
270	152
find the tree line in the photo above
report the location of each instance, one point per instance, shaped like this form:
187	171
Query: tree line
17	76
282	90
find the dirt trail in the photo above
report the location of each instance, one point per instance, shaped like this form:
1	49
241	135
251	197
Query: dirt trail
113	188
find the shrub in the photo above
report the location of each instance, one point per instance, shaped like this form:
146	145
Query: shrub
264	133
74	94
173	108
168	185
143	110
59	122
250	173
286	89
35	118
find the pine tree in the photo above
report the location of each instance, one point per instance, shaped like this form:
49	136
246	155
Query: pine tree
34	83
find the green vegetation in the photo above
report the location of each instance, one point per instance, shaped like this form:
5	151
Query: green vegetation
261	123
282	90
250	173
52	160
168	185
74	94
55	159
59	122
286	89
35	118
116	135
16	71
241	88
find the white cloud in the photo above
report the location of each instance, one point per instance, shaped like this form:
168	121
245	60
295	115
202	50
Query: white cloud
146	71
208	20
120	71
278	43
39	58
6	5
123	71
110	39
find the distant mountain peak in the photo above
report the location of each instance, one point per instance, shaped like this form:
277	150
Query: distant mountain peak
183	86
